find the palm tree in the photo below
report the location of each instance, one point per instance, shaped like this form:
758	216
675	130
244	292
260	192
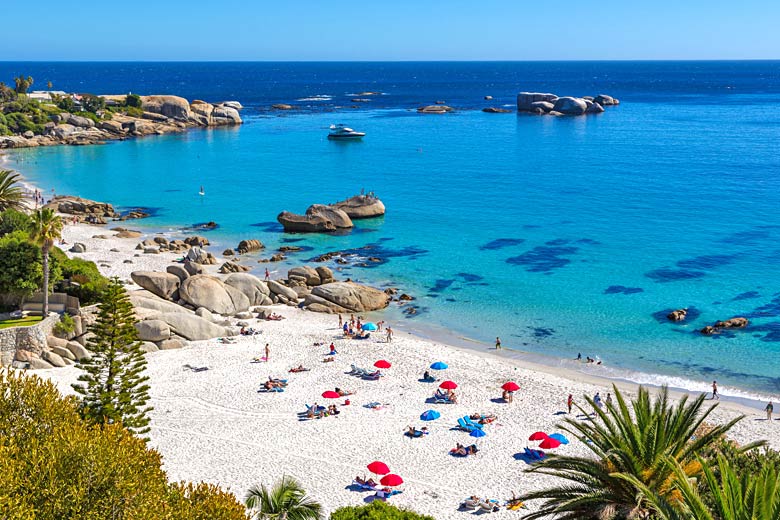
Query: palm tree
286	501
10	192
46	228
630	476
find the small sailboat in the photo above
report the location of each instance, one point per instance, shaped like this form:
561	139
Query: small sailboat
202	192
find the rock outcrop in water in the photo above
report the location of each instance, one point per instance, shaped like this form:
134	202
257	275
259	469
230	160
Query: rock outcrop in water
81	207
361	206
324	218
546	103
732	323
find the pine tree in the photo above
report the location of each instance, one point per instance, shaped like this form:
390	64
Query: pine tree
114	389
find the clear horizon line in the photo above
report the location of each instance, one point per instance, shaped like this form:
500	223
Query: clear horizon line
626	60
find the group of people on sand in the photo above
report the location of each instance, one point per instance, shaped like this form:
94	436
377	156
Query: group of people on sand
318	412
464	451
446	395
588	359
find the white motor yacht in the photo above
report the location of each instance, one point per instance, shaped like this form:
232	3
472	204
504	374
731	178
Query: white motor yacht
341	132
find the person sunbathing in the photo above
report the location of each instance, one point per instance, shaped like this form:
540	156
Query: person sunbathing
451	396
367	483
332	410
342	393
299	368
483	419
277	383
275	317
271	385
328	359
413	432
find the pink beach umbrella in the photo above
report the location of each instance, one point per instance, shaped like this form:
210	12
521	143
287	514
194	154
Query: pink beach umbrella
382	364
549	443
330	394
510	386
538	436
378	468
448	385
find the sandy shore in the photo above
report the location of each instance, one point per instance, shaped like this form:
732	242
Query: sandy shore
214	425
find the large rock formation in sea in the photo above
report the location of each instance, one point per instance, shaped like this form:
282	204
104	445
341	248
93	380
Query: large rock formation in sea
322	218
81	207
546	103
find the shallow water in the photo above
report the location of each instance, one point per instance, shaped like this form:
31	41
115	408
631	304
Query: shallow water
561	235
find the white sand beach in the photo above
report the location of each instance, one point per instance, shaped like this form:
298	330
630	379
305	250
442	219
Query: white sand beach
213	425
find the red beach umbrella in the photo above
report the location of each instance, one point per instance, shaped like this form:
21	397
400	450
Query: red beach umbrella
549	443
538	436
391	480
330	394
378	468
448	385
382	364
510	386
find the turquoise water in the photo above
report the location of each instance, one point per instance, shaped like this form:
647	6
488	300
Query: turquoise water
561	235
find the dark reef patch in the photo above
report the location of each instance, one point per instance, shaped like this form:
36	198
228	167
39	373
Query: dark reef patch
748	237
501	243
706	262
667	274
531	226
768	310
588	241
289	240
661	316
771	331
557	242
544	259
441	285
269	226
541	332
469	277
749	295
371	255
621	289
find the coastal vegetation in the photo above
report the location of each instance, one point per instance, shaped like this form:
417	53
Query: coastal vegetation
10	191
113	386
46	227
286	499
376	510
655	460
54	464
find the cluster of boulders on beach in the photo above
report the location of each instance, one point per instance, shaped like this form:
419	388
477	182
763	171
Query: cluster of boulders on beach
550	104
323	218
185	303
161	115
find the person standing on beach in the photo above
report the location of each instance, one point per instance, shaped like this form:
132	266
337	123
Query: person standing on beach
715	394
597	401
769	409
267	275
498	343
341	321
570	402
389	335
609	400
267	352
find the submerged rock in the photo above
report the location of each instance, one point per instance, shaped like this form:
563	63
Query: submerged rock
678	315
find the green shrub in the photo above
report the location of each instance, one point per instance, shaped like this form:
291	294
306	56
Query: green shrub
65	326
376	510
12	220
54	465
133	100
19	123
134	111
86	282
22	271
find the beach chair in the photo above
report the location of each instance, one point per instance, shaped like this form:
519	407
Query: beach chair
464	426
472	423
270	391
439	399
384	495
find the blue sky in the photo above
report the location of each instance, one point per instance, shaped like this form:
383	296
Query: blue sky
389	30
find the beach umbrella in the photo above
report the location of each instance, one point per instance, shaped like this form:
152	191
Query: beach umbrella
510	386
560	438
382	364
378	468
549	443
370	326
477	433
448	385
391	480
430	415
330	394
439	365
538	436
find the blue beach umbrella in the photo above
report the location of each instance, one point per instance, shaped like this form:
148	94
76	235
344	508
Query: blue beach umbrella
369	326
477	433
439	365
560	438
430	415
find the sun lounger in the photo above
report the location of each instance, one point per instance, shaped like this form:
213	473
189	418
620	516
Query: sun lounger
472	423
363	486
384	495
463	425
270	390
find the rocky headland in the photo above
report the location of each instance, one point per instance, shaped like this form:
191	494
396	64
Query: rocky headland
550	104
157	115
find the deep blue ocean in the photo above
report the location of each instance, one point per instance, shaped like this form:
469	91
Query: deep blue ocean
561	235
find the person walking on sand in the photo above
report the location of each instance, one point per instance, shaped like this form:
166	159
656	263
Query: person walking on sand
570	402
341	321
715	394
597	401
498	343
769	409
389	335
267	275
267	352
609	400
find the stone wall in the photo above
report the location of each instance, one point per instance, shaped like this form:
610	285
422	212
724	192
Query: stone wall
31	338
